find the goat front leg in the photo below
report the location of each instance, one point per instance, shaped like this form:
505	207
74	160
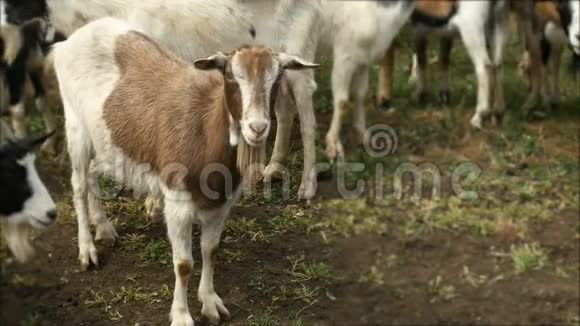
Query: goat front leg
553	71
499	43
212	225
343	71
285	119
304	86
179	217
385	89
474	39
361	85
444	60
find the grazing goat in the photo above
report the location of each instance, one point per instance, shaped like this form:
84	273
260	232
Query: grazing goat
481	25
356	44
25	201
196	28
548	25
144	115
21	57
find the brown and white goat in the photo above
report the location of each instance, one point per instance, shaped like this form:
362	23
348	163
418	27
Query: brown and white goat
138	112
547	25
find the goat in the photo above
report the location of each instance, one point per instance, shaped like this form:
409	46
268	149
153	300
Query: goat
356	45
196	28
547	27
21	57
481	25
135	110
25	201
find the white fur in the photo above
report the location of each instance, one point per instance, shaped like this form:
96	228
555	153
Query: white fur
356	44
574	27
197	28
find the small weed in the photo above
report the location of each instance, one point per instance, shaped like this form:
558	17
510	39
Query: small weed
374	277
156	250
290	219
528	257
233	255
98	300
301	271
440	292
262	318
306	293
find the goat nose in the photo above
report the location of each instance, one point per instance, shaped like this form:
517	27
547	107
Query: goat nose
51	214
258	127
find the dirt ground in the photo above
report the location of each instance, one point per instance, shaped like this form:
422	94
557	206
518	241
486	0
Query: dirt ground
509	256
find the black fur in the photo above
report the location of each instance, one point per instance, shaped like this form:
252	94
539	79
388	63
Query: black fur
432	21
546	49
20	11
575	65
565	11
16	72
14	187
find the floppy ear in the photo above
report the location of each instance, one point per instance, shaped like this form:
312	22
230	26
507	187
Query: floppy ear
292	62
216	61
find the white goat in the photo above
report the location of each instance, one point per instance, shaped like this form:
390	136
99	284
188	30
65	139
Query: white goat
137	111
196	28
359	33
481	25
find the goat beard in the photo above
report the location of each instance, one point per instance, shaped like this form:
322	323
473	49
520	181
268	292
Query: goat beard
18	239
251	163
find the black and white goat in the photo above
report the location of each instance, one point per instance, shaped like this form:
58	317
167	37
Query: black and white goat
21	57
140	113
24	200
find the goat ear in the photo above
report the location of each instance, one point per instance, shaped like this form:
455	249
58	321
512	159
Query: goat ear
292	62
216	61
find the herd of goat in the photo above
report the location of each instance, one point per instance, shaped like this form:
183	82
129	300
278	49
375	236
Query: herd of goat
173	98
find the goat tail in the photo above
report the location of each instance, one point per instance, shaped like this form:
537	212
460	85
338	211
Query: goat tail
251	162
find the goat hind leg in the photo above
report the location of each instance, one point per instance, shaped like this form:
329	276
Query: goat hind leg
105	231
361	86
80	151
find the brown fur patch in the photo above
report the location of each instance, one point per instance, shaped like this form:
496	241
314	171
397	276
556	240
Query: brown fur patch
165	112
546	11
435	8
184	270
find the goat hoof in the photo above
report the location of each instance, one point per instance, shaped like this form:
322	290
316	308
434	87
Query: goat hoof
274	171
213	308
422	98
88	254
385	105
106	234
334	150
498	119
181	319
444	97
307	191
476	122
153	209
